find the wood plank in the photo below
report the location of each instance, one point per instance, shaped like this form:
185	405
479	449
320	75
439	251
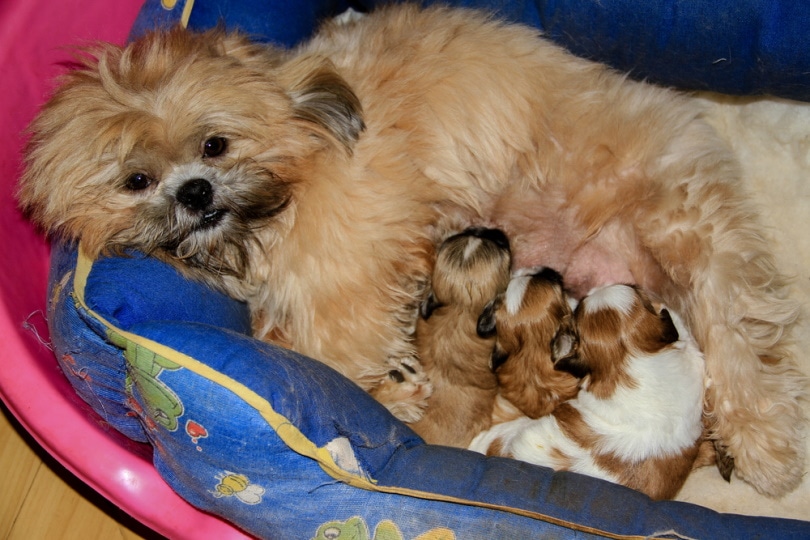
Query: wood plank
41	500
18	466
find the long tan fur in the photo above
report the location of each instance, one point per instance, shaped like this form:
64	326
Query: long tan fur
347	160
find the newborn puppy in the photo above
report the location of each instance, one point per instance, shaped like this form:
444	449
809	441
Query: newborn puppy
526	320
637	418
471	269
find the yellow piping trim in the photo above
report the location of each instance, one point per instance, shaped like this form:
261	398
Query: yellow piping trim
186	15
169	5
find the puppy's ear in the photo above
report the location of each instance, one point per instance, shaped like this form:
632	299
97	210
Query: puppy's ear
486	321
429	305
498	358
669	333
565	342
565	350
322	98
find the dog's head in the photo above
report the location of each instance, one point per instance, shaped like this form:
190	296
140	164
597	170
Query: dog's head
182	144
529	321
472	267
615	323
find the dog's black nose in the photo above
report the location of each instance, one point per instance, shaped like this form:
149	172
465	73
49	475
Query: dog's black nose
196	194
496	236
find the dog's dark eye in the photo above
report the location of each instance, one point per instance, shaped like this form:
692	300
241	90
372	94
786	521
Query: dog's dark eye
214	147
138	182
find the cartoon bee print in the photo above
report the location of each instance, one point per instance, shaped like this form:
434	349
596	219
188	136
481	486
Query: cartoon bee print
237	485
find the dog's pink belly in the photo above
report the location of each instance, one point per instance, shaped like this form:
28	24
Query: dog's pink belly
549	236
589	265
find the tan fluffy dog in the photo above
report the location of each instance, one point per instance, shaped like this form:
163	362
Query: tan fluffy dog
527	320
314	184
471	269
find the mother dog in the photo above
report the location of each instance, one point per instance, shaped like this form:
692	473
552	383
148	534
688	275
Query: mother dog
316	183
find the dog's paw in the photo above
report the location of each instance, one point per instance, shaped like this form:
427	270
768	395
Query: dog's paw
763	443
404	390
772	463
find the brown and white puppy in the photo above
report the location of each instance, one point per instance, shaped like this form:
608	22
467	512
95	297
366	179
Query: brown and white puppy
637	419
471	269
533	315
315	184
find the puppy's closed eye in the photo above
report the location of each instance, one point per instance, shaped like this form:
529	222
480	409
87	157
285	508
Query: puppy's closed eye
498	358
429	305
486	321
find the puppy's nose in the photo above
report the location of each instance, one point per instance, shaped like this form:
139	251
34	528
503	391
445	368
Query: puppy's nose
196	194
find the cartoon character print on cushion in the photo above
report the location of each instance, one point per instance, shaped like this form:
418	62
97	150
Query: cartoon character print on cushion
196	431
236	485
163	406
356	529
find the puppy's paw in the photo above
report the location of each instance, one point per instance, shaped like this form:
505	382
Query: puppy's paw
404	390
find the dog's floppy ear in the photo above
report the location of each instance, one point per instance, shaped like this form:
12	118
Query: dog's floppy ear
565	342
565	350
656	333
486	321
321	97
670	332
429	305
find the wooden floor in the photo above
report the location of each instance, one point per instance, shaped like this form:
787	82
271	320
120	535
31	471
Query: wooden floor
41	500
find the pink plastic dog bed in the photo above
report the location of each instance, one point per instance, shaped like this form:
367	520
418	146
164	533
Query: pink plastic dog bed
33	41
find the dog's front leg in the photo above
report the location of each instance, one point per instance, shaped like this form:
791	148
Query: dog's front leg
721	275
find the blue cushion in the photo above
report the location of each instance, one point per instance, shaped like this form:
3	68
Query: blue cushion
285	447
741	47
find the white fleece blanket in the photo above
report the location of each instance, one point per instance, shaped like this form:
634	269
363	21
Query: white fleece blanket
772	138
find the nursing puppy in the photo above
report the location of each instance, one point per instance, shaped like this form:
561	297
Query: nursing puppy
637	419
527	321
471	269
315	184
